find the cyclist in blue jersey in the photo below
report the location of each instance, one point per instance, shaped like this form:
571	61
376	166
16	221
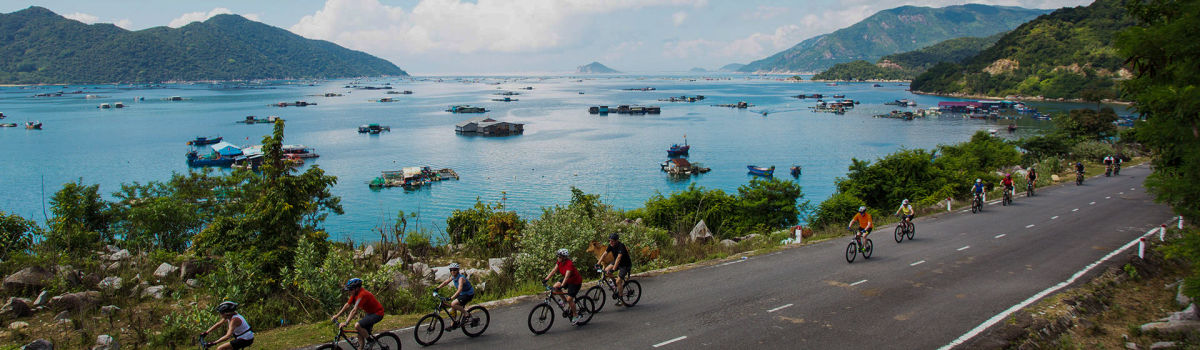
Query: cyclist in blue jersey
462	295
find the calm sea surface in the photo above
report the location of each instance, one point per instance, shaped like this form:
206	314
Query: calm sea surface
616	156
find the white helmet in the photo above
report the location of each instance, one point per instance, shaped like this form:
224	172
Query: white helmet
453	266
978	180
862	209
563	252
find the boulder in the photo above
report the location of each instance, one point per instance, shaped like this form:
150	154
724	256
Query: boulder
110	283
156	292
192	283
475	274
191	268
1171	327
40	344
1188	314
497	265
63	317
75	301
1163	345
368	251
120	255
1055	178
70	275
91	280
16	308
109	310
165	270
421	269
106	342
727	243
41	299
18	325
394	262
1181	299
700	233
1131	346
441	273
27	278
399	280
111	267
748	237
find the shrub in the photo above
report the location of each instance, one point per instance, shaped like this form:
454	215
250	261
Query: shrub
16	234
418	243
485	228
81	219
836	210
1092	150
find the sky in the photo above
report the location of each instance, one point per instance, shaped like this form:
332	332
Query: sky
435	37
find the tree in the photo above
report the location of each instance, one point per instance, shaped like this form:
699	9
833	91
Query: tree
81	219
16	234
1088	124
770	204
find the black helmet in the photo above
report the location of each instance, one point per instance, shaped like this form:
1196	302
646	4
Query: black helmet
615	236
352	283
227	307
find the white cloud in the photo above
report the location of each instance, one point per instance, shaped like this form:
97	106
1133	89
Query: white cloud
124	23
752	46
201	16
679	17
461	26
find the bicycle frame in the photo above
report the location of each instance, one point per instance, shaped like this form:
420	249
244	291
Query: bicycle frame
341	335
560	301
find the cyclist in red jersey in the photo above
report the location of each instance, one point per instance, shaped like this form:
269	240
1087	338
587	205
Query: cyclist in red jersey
360	299
572	280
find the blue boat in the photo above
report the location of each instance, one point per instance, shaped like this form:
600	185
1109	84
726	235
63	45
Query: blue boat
214	159
676	150
203	141
761	171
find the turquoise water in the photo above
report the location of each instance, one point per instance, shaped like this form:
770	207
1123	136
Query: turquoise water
616	156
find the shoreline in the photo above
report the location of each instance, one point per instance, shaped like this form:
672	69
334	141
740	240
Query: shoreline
1021	98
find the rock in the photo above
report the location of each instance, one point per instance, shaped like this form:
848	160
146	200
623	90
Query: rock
69	274
1162	345
75	301
120	255
191	268
700	233
41	299
91	280
394	262
748	237
728	243
112	267
441	273
110	283
192	283
16	308
475	274
1172	327
63	317
497	265
1055	178
18	325
106	342
638	221
109	310
1131	346
1181	299
421	269
368	251
40	344
399	280
1188	314
156	292
27	278
165	270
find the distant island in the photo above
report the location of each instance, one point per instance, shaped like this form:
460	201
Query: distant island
41	47
594	68
732	67
698	70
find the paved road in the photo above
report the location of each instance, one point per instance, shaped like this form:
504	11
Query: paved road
961	269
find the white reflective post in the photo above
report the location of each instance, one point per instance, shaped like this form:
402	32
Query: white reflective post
1142	248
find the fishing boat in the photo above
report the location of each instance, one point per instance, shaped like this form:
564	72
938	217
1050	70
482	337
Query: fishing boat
373	128
299	151
203	141
466	109
506	99
104	106
223	154
676	150
761	171
8	125
795	171
33	125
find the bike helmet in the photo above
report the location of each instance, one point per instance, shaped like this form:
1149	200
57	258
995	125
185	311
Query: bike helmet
905	201
978	180
227	307
453	266
862	209
615	236
563	252
352	283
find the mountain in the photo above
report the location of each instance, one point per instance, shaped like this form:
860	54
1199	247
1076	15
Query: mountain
892	31
594	68
698	70
908	65
1066	54
39	46
732	67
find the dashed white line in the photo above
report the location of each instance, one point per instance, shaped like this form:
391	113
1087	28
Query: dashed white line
731	262
858	283
779	308
964	248
1029	226
1120	192
1076	209
1091	203
1000	235
917	263
1109	197
1054	217
670	341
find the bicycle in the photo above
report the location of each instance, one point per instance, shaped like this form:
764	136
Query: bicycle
631	291
977	204
430	327
1108	170
203	344
381	341
543	314
1116	169
1008	197
1029	188
1078	178
905	228
853	248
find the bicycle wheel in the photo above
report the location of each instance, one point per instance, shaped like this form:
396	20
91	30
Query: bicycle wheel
597	295
851	252
631	293
328	347
912	230
477	321
899	235
541	318
385	341
584	306
867	249
974	207
429	329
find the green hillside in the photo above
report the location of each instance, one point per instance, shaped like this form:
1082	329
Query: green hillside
892	31
906	66
40	46
1066	54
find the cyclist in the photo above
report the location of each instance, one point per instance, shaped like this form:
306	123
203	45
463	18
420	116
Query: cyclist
463	293
621	261
1117	163
238	332
360	299
572	280
1108	163
1008	184
1031	177
1079	168
978	189
905	211
864	224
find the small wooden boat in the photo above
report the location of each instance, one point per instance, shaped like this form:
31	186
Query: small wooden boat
215	159
202	141
373	129
677	150
506	99
8	125
761	171
33	125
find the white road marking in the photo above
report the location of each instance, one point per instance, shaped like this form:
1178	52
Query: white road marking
1028	226
1131	189
1091	203
732	262
1120	192
858	283
670	341
1107	197
917	263
1001	316
1000	235
1076	209
964	248
779	308
1054	217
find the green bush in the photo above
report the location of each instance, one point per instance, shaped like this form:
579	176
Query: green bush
81	219
759	206
1093	151
836	210
317	273
485	228
16	234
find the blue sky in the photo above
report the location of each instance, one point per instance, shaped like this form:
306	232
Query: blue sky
527	36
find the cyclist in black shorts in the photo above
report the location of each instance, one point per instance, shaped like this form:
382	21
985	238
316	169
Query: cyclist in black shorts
571	281
463	293
621	261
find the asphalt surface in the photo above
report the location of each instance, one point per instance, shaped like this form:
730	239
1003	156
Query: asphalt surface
960	270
